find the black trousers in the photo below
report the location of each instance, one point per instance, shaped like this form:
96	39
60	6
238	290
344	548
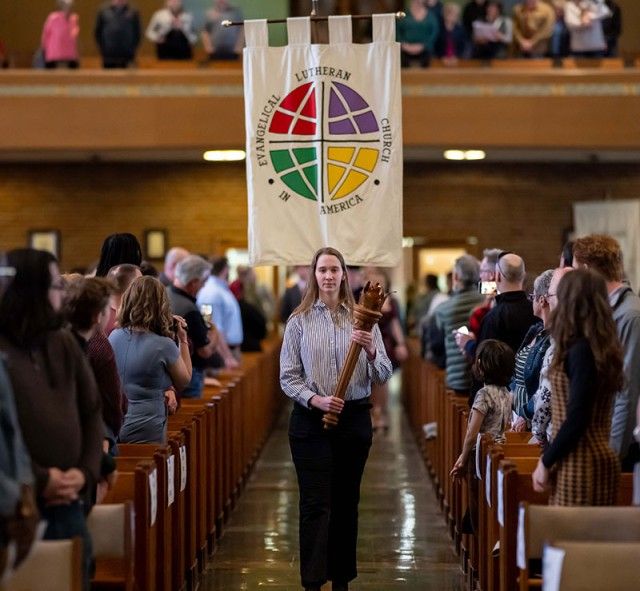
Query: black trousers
329	465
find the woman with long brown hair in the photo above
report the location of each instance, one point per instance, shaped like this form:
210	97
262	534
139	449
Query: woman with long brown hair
149	360
579	466
329	464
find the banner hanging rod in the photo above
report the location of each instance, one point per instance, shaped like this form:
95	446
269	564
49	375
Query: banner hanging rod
358	17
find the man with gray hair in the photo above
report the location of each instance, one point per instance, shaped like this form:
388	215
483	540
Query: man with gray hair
511	317
190	274
171	260
451	316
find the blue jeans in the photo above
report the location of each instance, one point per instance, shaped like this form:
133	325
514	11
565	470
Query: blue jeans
194	387
68	521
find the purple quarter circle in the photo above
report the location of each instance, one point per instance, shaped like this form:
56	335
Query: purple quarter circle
366	121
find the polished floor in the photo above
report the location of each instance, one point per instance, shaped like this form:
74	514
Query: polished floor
402	540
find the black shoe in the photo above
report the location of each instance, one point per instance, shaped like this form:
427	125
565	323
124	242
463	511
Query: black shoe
340	586
314	588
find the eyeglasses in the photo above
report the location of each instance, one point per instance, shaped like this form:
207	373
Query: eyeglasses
549	295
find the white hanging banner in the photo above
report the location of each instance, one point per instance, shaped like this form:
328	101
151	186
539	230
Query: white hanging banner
324	144
619	218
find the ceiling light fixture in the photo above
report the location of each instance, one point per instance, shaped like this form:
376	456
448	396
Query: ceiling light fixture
465	155
224	155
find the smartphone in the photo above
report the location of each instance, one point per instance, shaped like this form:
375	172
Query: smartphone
207	314
488	288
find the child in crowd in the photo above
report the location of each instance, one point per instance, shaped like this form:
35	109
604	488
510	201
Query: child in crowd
491	410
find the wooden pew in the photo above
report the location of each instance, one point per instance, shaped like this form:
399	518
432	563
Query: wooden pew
592	566
179	576
53	565
516	487
212	484
537	524
189	561
165	461
195	419
111	528
140	485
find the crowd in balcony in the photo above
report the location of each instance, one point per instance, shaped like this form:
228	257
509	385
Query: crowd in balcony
490	29
118	33
448	31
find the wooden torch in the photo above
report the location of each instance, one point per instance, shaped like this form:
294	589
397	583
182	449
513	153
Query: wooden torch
366	314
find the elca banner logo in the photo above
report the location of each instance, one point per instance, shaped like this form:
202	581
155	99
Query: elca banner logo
322	142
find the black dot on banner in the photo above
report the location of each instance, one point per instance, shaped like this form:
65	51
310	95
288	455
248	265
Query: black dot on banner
376	182
271	181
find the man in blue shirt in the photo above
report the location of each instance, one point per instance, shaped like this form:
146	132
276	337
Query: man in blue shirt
224	306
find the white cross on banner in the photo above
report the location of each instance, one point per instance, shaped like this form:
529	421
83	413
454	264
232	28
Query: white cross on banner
324	144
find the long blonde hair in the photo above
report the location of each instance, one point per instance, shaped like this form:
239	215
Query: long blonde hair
312	292
145	305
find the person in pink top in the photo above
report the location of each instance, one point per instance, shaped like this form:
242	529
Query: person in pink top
60	37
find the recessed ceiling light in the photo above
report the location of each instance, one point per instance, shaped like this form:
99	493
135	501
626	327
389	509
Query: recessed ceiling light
224	155
454	154
475	155
465	154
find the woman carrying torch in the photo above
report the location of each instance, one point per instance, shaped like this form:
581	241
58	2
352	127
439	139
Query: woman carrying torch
329	456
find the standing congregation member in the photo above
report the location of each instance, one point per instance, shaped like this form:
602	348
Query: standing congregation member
452	41
541	421
584	21
452	315
118	249
59	40
395	348
149	360
220	42
117	33
121	276
530	355
171	260
225	311
417	34
190	275
533	25
18	511
88	311
172	30
603	254
329	463
491	412
293	294
56	397
579	466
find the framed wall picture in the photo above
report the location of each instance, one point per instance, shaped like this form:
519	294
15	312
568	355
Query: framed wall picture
155	244
48	240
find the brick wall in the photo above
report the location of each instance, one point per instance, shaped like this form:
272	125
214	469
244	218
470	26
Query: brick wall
524	208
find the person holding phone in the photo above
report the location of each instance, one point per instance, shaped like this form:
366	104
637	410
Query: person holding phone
509	320
329	463
190	275
149	360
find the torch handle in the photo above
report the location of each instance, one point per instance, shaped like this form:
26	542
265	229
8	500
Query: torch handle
330	419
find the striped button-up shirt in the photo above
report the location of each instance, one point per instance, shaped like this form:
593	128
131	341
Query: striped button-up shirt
314	350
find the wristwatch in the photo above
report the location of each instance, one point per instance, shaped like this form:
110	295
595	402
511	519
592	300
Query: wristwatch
636	433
